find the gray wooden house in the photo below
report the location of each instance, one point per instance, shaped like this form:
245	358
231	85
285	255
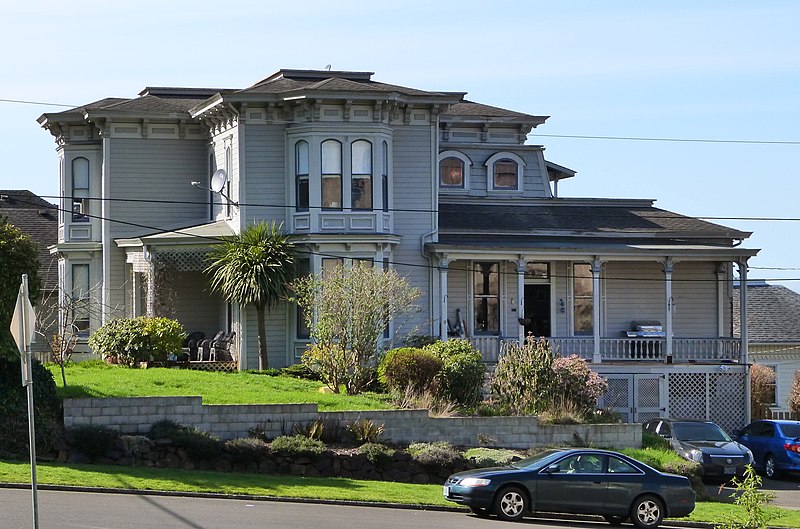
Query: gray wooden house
456	195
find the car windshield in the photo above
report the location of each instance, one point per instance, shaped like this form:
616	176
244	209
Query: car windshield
540	459
791	430
698	431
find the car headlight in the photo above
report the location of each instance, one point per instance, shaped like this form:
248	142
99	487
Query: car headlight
474	482
750	458
694	455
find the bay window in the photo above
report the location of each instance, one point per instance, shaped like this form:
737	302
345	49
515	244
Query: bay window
331	174
80	190
301	175
361	174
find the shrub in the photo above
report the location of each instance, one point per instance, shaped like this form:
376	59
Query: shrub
577	386
409	367
246	449
462	375
436	405
656	442
419	340
258	431
199	445
762	390
365	431
523	378
300	371
439	453
297	446
752	500
491	457
128	341
312	430
48	414
794	394
377	453
93	441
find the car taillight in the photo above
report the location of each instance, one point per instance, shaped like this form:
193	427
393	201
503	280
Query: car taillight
791	447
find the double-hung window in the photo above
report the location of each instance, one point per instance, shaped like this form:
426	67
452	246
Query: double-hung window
80	190
331	174
301	175
486	297
583	299
385	175
80	299
361	175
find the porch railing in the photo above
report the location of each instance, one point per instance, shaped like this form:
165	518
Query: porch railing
684	350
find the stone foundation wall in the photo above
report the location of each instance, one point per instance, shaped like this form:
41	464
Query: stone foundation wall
137	415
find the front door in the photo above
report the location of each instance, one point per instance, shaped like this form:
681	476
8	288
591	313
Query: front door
537	310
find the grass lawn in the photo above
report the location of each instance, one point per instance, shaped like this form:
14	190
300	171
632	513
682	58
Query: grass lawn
100	380
289	487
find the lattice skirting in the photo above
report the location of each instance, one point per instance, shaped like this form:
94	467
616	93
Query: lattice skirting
213	366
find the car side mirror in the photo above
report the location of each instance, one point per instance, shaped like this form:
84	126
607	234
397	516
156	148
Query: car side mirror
552	469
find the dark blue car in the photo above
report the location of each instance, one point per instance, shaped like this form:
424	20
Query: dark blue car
775	445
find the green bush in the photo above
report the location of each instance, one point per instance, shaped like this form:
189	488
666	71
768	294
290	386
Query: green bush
128	341
246	449
300	371
93	441
199	445
419	340
462	375
48	414
491	457
439	453
406	367
312	430
365	431
523	378
297	446
377	453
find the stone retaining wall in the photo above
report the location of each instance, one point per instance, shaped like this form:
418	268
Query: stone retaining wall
230	421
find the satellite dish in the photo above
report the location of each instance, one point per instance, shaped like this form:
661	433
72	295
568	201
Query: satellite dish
218	180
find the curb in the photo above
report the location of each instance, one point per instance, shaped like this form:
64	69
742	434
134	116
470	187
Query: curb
352	503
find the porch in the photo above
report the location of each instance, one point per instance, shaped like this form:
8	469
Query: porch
650	349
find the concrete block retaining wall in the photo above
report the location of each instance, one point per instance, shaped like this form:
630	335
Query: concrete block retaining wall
230	421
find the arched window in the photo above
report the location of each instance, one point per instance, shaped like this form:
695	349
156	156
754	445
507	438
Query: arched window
361	174
454	169
301	175
504	171
331	174
385	175
80	190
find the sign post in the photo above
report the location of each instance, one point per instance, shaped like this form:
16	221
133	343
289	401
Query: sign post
22	328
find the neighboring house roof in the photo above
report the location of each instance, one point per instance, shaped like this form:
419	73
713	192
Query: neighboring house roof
38	219
773	313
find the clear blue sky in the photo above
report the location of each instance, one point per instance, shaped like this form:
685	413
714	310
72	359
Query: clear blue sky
679	69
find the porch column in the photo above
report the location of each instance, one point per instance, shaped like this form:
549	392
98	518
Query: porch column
745	357
668	306
521	296
596	268
443	263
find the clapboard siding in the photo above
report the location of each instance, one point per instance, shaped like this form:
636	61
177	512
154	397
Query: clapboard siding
561	278
458	278
265	156
276	338
153	169
633	291
694	290
412	176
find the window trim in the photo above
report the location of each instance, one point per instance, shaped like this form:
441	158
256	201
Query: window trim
385	175
83	216
323	174
490	176
358	176
298	176
465	174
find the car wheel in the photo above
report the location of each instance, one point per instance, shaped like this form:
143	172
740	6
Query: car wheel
770	468
614	520
480	512
647	512
511	504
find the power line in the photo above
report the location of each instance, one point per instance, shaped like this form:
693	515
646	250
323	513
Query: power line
412	210
206	238
532	134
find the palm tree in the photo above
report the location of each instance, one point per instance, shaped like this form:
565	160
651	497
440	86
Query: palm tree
255	267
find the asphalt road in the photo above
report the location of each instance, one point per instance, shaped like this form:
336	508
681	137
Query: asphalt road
84	510
786	491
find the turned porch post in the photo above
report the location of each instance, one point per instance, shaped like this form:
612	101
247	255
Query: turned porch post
669	306
443	263
745	356
521	297
596	268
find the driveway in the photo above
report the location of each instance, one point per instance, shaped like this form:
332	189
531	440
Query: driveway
786	491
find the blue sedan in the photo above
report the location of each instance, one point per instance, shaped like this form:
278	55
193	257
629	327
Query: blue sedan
577	481
775	445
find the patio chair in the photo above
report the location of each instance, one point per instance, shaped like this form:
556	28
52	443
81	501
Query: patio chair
205	352
221	349
190	346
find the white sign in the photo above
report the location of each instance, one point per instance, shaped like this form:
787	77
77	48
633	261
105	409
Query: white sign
23	321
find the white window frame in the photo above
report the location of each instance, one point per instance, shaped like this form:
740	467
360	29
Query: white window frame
465	176
497	157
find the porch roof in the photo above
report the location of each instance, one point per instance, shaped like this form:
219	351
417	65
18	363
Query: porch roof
587	217
204	234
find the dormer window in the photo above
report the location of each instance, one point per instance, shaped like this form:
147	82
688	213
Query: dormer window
80	190
504	170
454	170
331	174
